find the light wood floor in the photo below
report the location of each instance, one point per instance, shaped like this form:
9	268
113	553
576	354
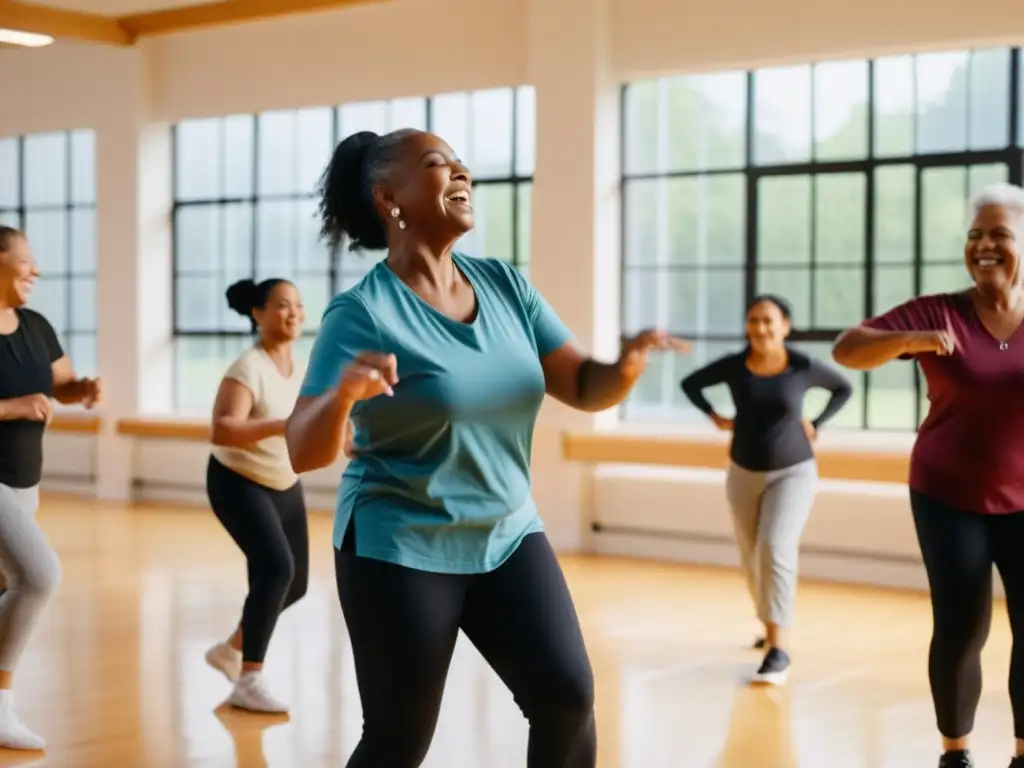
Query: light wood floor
115	676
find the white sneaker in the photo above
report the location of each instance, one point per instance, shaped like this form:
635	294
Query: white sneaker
225	660
250	693
13	733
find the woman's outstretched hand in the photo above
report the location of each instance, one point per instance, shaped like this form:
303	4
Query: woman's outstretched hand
370	375
633	359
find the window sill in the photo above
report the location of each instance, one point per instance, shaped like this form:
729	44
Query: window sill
165	428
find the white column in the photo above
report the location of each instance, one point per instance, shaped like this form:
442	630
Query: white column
575	245
133	178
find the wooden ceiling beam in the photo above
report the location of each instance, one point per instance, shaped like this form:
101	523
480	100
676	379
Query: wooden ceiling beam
125	30
221	13
58	23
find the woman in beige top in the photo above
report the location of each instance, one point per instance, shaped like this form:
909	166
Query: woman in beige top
252	488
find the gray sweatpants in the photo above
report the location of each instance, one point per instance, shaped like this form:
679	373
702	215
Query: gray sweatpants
769	511
30	568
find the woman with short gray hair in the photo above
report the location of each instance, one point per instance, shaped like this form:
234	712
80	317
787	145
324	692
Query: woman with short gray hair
967	467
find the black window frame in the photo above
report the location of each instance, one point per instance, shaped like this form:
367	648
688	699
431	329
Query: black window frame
753	172
337	260
17	216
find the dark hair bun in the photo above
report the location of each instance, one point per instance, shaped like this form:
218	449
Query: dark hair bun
351	155
242	297
347	188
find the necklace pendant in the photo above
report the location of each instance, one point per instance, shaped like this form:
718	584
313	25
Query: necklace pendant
1004	345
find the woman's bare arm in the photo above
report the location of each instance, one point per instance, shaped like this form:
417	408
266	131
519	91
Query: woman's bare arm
586	384
315	431
232	426
865	348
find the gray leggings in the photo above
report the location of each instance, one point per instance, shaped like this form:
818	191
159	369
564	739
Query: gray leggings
30	568
769	511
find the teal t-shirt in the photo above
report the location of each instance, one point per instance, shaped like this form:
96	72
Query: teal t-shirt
441	481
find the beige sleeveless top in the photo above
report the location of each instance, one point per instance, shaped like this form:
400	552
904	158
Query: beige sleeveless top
273	396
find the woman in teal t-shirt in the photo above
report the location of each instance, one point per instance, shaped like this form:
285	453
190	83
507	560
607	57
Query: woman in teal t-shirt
441	362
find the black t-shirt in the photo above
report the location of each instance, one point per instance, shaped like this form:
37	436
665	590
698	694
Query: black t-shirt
768	428
26	357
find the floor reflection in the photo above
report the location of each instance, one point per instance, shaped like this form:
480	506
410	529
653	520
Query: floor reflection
246	733
116	675
760	725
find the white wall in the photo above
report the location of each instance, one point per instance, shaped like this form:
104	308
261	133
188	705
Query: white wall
653	37
860	532
576	53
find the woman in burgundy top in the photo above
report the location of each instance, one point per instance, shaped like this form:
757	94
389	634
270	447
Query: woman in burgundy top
967	466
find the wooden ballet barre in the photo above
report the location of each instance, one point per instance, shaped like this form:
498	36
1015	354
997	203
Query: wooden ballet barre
165	428
677	451
80	423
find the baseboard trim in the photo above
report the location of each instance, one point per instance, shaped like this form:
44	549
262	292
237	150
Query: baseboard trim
823	565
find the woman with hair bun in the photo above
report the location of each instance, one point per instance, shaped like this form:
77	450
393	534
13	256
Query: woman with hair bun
773	476
443	361
252	488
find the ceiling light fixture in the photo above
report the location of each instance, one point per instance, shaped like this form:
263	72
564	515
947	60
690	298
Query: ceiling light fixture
25	39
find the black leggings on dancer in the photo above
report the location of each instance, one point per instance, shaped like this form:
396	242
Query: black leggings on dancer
403	624
271	529
959	550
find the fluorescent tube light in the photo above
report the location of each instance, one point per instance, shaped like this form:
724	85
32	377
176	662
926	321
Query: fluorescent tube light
26	39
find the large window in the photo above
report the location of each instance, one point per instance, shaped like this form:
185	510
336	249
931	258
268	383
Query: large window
48	190
842	186
244	207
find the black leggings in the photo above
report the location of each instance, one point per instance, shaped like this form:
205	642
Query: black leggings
403	625
270	527
959	550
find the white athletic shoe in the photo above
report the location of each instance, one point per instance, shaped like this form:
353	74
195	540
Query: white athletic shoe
13	733
250	693
225	660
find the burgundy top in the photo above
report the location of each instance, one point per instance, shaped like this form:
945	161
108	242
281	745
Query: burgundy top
969	452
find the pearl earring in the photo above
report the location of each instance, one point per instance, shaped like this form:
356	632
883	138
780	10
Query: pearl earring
394	215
